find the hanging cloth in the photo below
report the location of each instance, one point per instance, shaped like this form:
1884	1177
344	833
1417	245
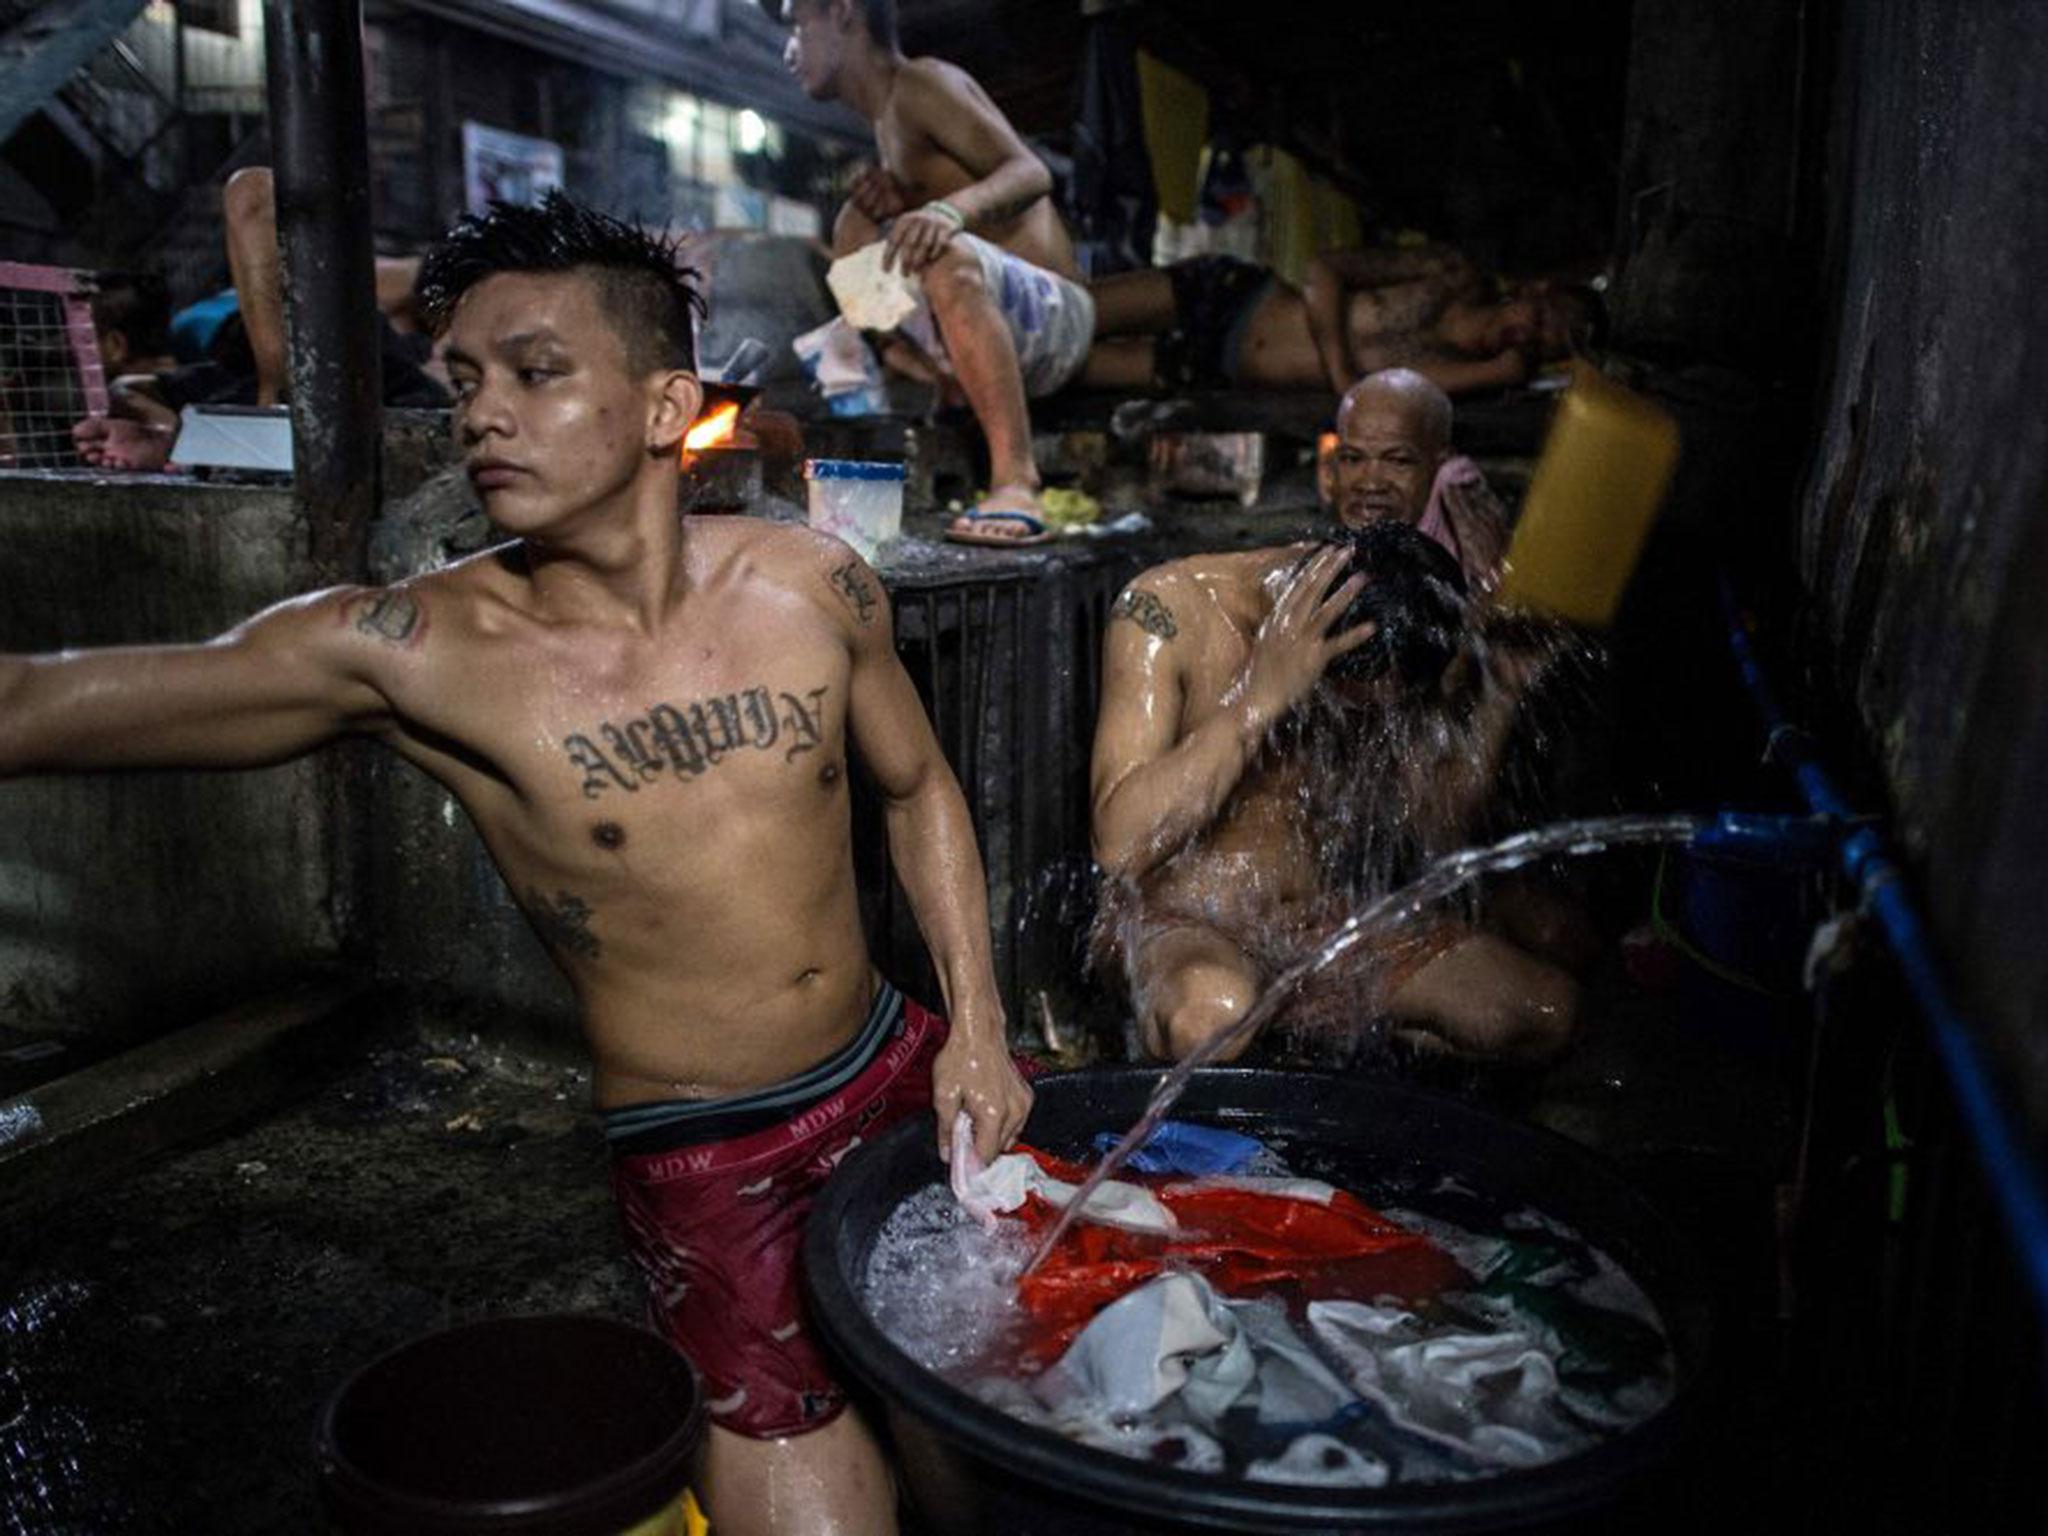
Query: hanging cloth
1112	204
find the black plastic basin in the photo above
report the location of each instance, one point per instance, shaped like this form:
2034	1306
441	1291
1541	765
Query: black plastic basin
973	1469
558	1425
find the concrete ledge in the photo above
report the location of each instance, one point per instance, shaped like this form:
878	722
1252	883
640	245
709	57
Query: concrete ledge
1509	422
66	1135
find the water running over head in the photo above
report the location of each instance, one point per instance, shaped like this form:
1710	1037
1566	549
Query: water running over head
1385	915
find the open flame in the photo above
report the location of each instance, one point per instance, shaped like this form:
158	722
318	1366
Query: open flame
714	430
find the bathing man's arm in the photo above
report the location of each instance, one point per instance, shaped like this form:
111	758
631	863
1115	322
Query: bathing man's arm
296	675
944	106
931	844
1153	789
1453	785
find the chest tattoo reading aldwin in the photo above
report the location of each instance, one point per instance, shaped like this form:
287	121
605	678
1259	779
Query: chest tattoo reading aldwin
688	740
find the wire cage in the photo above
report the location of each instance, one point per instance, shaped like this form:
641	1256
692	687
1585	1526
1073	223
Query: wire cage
982	648
50	370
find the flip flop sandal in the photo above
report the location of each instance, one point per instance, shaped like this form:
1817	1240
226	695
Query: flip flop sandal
1035	532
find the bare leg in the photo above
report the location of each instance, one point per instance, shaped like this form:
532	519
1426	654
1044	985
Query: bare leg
1119	362
1189	983
852	230
1133	303
1486	997
1543	920
830	1482
249	202
985	361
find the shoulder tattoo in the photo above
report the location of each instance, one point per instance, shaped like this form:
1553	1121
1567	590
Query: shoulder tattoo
563	923
1147	612
395	617
858	588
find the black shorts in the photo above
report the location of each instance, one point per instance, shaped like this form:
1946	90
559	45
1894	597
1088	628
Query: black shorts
1214	298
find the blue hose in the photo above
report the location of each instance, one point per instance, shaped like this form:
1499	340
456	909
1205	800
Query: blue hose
2008	1169
1768	839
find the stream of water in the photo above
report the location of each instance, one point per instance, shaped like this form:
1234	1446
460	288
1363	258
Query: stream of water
1385	915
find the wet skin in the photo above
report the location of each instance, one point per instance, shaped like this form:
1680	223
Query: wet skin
648	720
1199	819
658	801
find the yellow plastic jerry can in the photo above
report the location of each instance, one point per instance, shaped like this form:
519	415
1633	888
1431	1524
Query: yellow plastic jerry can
1606	465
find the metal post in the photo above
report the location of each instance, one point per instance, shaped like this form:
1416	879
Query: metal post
320	148
184	128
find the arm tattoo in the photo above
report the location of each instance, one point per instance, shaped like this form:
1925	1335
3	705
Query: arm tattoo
853	584
1148	613
563	923
687	741
394	617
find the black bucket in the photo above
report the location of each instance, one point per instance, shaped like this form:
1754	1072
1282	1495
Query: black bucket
539	1426
974	1469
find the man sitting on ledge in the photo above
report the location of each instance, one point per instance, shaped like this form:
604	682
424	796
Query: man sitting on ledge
1264	759
964	206
651	720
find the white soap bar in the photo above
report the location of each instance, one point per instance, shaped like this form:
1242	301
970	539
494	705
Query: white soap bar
872	298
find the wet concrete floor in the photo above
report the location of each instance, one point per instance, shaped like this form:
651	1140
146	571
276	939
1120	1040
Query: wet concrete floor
167	1340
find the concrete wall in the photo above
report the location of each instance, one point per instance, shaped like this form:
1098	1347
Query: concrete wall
132	902
1923	530
1710	163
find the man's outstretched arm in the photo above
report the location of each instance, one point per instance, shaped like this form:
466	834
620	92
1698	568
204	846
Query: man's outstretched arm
1152	792
931	844
289	679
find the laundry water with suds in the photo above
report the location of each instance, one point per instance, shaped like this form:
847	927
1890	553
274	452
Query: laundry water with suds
1267	1326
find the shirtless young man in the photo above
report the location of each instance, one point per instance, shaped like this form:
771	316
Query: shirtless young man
1210	823
1214	322
965	207
649	718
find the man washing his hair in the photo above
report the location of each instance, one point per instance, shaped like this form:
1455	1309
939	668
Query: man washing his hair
1285	732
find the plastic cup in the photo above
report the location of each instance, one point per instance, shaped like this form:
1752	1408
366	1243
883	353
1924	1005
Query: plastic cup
857	500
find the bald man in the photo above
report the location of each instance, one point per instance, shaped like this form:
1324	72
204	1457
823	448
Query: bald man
1286	732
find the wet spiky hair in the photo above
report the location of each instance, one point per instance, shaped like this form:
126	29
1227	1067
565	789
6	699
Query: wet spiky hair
642	286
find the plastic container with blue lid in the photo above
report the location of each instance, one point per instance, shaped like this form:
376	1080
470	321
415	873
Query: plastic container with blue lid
852	469
857	500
